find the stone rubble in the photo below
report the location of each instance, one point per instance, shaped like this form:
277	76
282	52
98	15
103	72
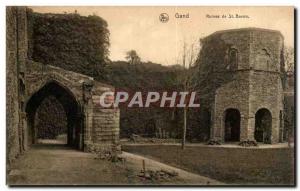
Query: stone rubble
158	174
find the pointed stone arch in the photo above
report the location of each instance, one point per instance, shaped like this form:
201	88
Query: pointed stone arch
70	104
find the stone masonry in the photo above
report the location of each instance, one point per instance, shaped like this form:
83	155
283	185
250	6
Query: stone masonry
90	128
241	71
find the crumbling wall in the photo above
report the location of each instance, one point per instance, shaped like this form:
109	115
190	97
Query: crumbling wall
253	83
266	85
104	123
16	54
12	104
25	78
222	86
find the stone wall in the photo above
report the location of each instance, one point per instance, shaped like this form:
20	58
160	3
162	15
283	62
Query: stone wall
29	83
16	52
104	134
12	105
266	84
234	95
266	92
241	69
99	127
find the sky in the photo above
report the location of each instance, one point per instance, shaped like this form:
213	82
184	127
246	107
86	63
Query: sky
140	29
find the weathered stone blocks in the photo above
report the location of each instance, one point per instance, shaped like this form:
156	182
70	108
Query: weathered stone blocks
241	69
96	129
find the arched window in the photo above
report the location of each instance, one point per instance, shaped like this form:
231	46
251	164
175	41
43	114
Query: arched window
21	87
232	59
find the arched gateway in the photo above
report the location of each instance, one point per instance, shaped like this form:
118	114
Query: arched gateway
232	123
70	105
89	127
263	126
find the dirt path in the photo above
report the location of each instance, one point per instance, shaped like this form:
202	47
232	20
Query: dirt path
60	165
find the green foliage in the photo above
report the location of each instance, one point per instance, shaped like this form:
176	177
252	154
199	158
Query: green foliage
80	44
145	77
70	41
132	57
50	119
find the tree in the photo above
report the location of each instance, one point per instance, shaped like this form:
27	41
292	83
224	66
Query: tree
288	54
289	113
132	57
188	59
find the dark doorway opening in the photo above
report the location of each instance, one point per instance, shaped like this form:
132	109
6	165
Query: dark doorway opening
62	108
150	129
263	126
232	125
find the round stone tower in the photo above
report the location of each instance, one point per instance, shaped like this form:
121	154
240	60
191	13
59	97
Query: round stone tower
240	85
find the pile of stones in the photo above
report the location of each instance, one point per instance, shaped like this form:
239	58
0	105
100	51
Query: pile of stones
214	142
248	143
157	175
110	156
139	139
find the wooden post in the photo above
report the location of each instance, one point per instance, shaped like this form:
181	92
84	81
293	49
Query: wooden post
144	167
184	128
289	139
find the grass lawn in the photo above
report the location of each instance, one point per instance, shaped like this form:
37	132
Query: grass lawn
230	165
